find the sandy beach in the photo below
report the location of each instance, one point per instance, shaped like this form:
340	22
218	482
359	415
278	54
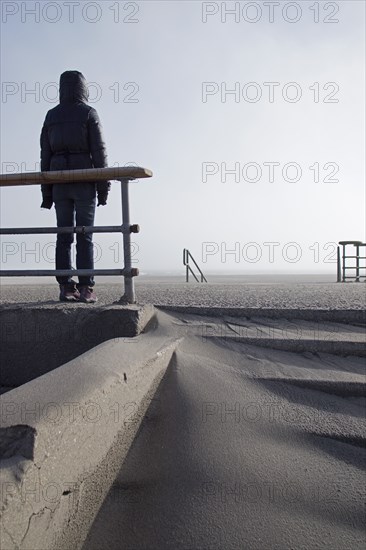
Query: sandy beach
252	291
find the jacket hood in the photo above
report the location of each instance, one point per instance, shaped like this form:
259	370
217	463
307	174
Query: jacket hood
73	88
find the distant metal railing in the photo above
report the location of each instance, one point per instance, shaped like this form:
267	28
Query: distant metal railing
342	267
186	256
124	175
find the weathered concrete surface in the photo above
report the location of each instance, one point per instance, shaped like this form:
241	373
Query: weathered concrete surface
64	436
36	339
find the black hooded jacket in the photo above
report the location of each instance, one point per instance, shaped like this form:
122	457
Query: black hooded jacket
72	136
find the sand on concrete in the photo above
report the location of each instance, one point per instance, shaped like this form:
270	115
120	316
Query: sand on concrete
245	447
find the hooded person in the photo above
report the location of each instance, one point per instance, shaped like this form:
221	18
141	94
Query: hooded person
72	138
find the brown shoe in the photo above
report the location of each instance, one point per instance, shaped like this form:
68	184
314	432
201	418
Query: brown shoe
87	295
69	293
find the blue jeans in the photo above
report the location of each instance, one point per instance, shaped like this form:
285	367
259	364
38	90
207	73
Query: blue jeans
75	201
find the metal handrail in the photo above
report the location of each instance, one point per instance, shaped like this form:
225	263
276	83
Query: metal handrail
122	174
75	229
341	262
70	176
186	256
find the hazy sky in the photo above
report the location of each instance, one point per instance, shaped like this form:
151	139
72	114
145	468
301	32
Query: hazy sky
273	92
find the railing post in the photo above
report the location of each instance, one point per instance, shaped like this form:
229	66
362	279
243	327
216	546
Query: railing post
357	263
129	295
339	270
185	262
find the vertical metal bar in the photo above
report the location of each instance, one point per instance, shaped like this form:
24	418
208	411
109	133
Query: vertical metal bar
185	262
129	294
339	270
357	264
344	263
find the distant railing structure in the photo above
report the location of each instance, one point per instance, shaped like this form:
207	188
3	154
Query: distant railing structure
343	268
122	174
186	256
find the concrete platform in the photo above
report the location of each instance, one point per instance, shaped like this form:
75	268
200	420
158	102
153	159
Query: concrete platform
37	338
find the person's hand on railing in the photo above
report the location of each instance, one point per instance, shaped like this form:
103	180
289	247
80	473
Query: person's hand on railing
103	188
102	199
47	202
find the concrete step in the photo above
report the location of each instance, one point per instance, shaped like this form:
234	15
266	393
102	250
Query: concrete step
64	435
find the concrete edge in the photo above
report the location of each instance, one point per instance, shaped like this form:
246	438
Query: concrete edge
65	435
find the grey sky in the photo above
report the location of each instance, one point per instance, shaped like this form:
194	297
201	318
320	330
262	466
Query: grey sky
149	87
